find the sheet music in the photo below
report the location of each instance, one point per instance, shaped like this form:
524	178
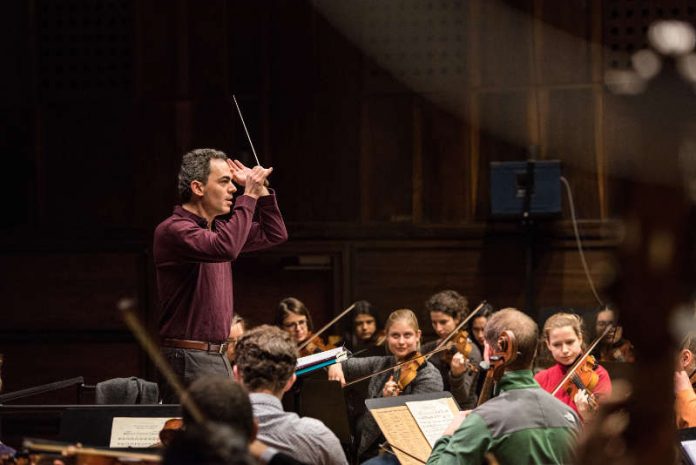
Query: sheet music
336	353
432	417
690	449
136	432
400	430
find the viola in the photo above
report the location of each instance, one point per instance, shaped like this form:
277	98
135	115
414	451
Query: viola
408	371
584	377
582	373
460	343
314	344
503	355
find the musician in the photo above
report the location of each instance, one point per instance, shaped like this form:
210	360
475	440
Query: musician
365	333
446	309
685	404
563	335
614	347
522	425
193	249
266	360
403	338
227	403
294	318
215	445
236	331
476	327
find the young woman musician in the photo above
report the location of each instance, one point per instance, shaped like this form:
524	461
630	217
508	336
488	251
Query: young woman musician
365	333
403	340
446	309
293	317
476	327
563	337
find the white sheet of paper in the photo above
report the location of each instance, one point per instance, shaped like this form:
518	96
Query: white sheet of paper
135	431
432	417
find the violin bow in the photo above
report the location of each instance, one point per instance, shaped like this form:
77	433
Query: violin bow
447	338
326	326
581	359
127	307
428	355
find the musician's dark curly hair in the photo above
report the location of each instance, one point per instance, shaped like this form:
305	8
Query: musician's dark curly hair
266	358
449	302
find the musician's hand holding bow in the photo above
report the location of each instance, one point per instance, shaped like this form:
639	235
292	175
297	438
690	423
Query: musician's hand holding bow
391	388
459	365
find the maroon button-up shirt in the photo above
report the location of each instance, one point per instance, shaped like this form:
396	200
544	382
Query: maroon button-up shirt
194	273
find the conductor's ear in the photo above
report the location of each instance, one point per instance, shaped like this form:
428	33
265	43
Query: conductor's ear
197	188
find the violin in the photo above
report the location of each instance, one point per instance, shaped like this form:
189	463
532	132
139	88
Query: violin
584	377
314	344
460	343
408	371
582	374
505	354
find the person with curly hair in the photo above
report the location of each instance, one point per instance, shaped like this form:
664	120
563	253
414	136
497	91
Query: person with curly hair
266	359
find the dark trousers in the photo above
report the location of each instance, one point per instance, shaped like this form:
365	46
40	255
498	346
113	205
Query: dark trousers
189	365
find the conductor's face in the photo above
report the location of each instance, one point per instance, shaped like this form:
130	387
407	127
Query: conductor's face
218	191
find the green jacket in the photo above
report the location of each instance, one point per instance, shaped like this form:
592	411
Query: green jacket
523	425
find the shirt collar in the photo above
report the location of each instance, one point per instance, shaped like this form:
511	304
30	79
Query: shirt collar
519	379
181	211
267	399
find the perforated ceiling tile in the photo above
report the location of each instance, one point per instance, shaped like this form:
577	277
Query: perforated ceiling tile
626	24
84	48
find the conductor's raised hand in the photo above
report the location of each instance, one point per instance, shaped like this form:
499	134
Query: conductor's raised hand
239	171
255	182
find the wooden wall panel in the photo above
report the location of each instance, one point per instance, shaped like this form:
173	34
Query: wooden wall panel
563	42
571	139
445	166
563	281
67	291
88	165
314	276
293	53
207	47
387	162
157	48
505	41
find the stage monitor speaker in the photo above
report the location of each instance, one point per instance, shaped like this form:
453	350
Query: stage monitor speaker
525	189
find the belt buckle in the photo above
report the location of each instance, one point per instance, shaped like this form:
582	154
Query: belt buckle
223	348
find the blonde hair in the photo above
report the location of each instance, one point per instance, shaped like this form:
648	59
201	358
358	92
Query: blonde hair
402	314
561	320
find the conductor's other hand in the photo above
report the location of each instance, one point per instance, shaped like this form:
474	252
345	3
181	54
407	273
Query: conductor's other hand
255	180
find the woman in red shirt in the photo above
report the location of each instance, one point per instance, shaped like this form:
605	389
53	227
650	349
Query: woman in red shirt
563	337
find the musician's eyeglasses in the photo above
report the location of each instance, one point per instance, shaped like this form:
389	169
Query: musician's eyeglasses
295	324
